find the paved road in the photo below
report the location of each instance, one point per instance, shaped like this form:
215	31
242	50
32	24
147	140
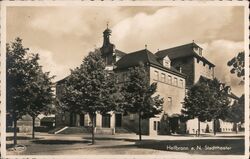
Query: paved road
128	144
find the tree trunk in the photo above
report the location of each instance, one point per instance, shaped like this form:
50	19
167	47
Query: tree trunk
93	129
140	126
33	127
215	127
15	130
199	127
236	127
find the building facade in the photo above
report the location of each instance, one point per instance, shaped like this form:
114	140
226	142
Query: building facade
175	70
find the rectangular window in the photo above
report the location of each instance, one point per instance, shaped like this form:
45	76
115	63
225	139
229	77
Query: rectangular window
154	125
169	79
156	75
181	83
175	81
163	77
166	63
132	116
169	101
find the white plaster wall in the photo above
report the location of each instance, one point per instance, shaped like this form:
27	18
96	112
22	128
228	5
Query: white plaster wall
192	126
112	119
226	126
86	120
98	120
166	90
153	132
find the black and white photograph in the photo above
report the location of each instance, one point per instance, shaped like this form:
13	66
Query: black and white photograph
131	78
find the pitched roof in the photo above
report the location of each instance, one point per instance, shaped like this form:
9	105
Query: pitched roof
141	56
119	52
134	58
180	52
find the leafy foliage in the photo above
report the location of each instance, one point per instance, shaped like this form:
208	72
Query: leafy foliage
29	89
237	63
219	99
236	112
140	94
197	102
207	100
90	88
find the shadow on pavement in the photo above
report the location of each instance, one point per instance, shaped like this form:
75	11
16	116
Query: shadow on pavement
118	146
110	138
20	138
236	146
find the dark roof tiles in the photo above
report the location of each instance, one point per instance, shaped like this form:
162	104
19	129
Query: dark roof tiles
181	52
119	52
141	56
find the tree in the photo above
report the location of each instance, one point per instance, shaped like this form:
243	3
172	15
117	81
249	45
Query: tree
23	91
236	112
91	89
40	87
197	103
207	100
140	95
237	63
219	105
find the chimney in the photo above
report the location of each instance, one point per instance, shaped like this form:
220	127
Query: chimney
180	69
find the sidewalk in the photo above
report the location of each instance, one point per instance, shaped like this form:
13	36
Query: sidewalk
133	136
120	144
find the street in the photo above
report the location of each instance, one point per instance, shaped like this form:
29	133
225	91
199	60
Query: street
128	144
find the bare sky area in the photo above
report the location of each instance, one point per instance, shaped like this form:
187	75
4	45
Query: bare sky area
64	35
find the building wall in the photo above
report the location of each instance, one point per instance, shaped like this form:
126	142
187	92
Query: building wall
202	69
187	66
226	126
25	124
62	119
173	93
192	126
172	88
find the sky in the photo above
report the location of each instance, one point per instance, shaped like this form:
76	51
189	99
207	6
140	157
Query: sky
63	36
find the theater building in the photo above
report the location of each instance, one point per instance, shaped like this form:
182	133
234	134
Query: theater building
171	86
175	70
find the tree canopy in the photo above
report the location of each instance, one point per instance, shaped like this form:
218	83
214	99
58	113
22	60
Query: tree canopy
29	89
140	95
207	100
237	110
237	65
90	88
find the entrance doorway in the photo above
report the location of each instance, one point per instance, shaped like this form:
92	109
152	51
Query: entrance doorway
82	119
174	124
118	120
106	121
72	121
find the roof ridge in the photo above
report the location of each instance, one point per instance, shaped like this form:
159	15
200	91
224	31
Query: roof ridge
147	55
176	47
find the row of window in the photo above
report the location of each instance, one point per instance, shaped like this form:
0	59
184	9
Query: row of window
157	125
222	129
168	79
204	64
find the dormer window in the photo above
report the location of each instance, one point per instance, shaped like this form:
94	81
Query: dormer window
166	62
198	50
